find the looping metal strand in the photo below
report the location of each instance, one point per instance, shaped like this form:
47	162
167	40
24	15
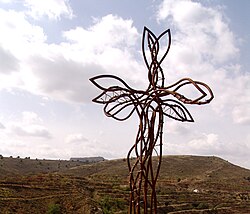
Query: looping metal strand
151	105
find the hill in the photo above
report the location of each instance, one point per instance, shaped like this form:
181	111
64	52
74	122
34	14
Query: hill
10	167
187	184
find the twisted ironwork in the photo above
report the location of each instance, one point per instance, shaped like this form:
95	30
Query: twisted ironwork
151	105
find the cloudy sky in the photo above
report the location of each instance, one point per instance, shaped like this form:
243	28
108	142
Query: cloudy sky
49	49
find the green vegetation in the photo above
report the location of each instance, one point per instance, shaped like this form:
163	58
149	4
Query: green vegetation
54	209
202	206
110	205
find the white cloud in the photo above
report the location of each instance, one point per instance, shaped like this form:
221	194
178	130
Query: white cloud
35	149
9	63
241	114
177	128
30	117
2	126
241	99
201	144
53	9
19	37
30	125
108	31
193	23
89	148
208	144
6	1
109	40
30	130
68	80
76	138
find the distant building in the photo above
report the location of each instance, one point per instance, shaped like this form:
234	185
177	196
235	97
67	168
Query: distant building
88	159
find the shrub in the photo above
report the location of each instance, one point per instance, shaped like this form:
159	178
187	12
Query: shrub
247	178
54	209
110	205
202	206
106	205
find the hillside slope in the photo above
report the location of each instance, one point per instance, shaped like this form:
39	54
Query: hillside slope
187	184
25	166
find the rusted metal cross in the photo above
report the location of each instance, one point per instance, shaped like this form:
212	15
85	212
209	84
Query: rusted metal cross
151	105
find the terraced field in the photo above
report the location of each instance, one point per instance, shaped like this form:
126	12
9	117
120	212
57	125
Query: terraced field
187	184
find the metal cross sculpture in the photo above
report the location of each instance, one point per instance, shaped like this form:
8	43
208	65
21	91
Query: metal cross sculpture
151	105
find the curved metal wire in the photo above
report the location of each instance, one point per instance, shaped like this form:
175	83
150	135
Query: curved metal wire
151	105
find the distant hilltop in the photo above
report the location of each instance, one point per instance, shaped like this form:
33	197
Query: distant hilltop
88	159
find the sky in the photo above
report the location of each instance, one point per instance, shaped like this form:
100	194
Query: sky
49	49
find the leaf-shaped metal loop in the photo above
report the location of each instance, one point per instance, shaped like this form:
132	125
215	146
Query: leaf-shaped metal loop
110	95
151	42
175	110
155	72
150	37
167	34
108	78
199	86
121	109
